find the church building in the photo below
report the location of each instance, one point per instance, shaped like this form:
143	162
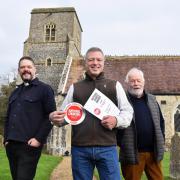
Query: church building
54	43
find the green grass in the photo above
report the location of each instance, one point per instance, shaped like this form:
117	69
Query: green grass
4	167
47	163
45	166
165	164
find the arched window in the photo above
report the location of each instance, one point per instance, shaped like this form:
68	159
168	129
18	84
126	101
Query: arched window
50	32
177	119
49	62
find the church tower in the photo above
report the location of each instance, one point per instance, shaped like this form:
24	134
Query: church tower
54	41
54	35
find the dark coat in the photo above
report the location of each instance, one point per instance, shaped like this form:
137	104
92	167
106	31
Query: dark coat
127	138
28	112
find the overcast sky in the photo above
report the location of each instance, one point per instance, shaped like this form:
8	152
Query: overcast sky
119	27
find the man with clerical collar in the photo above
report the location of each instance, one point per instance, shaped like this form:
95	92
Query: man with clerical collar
27	123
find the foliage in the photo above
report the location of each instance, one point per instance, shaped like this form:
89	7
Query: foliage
45	166
6	91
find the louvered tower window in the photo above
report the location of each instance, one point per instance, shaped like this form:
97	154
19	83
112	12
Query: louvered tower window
50	32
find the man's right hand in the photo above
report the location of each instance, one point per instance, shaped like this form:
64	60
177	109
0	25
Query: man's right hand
6	143
57	117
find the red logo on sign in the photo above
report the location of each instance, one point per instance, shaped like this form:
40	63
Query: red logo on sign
97	111
74	113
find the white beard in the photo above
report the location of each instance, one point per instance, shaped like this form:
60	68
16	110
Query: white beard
136	92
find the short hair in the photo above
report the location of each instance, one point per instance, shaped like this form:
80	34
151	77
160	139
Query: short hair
25	57
93	49
134	69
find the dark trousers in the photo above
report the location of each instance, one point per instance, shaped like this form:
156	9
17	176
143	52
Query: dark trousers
23	160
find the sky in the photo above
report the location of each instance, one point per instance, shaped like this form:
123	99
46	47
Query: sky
118	27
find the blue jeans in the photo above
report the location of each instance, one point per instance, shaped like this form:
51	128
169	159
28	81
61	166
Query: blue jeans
104	158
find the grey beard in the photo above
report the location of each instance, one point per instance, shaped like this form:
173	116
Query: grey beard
136	93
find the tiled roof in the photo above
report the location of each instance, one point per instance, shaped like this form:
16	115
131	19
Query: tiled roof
162	73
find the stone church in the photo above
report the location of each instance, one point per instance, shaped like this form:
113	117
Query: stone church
54	43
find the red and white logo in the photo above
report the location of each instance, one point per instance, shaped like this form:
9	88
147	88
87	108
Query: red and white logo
97	111
74	113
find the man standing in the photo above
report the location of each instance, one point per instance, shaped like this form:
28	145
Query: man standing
142	143
94	140
27	124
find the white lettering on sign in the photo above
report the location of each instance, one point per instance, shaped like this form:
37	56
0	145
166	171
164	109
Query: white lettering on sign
74	112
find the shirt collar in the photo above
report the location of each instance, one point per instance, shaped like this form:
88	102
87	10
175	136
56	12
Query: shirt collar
100	76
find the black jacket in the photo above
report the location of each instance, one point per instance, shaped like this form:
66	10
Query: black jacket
28	112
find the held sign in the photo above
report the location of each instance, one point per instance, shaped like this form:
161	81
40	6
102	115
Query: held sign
74	113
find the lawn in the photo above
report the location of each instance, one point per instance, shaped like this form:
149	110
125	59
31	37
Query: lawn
47	163
45	166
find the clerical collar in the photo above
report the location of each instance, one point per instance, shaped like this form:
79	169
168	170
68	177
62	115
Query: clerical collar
31	82
26	83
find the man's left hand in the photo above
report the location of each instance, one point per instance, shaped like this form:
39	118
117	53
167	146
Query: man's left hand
109	122
33	142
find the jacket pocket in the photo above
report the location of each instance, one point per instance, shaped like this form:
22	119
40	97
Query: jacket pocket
32	104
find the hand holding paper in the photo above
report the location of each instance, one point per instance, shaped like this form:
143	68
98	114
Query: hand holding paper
109	122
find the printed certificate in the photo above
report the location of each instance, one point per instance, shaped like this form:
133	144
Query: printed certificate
100	105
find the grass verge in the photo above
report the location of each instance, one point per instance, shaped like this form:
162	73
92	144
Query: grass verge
45	166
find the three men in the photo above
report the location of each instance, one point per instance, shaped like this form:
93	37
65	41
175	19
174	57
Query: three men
27	124
142	143
94	140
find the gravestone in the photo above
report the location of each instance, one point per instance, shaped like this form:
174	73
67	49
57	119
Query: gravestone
175	157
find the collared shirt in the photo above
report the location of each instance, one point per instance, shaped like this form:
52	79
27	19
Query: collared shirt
28	112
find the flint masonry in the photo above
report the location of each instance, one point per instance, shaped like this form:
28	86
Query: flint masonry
54	43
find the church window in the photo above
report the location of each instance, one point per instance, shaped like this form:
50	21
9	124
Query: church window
49	62
163	102
177	119
50	32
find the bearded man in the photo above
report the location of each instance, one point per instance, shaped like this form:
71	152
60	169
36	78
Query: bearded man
27	123
142	143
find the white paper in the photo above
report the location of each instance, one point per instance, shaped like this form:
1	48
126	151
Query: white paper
100	105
